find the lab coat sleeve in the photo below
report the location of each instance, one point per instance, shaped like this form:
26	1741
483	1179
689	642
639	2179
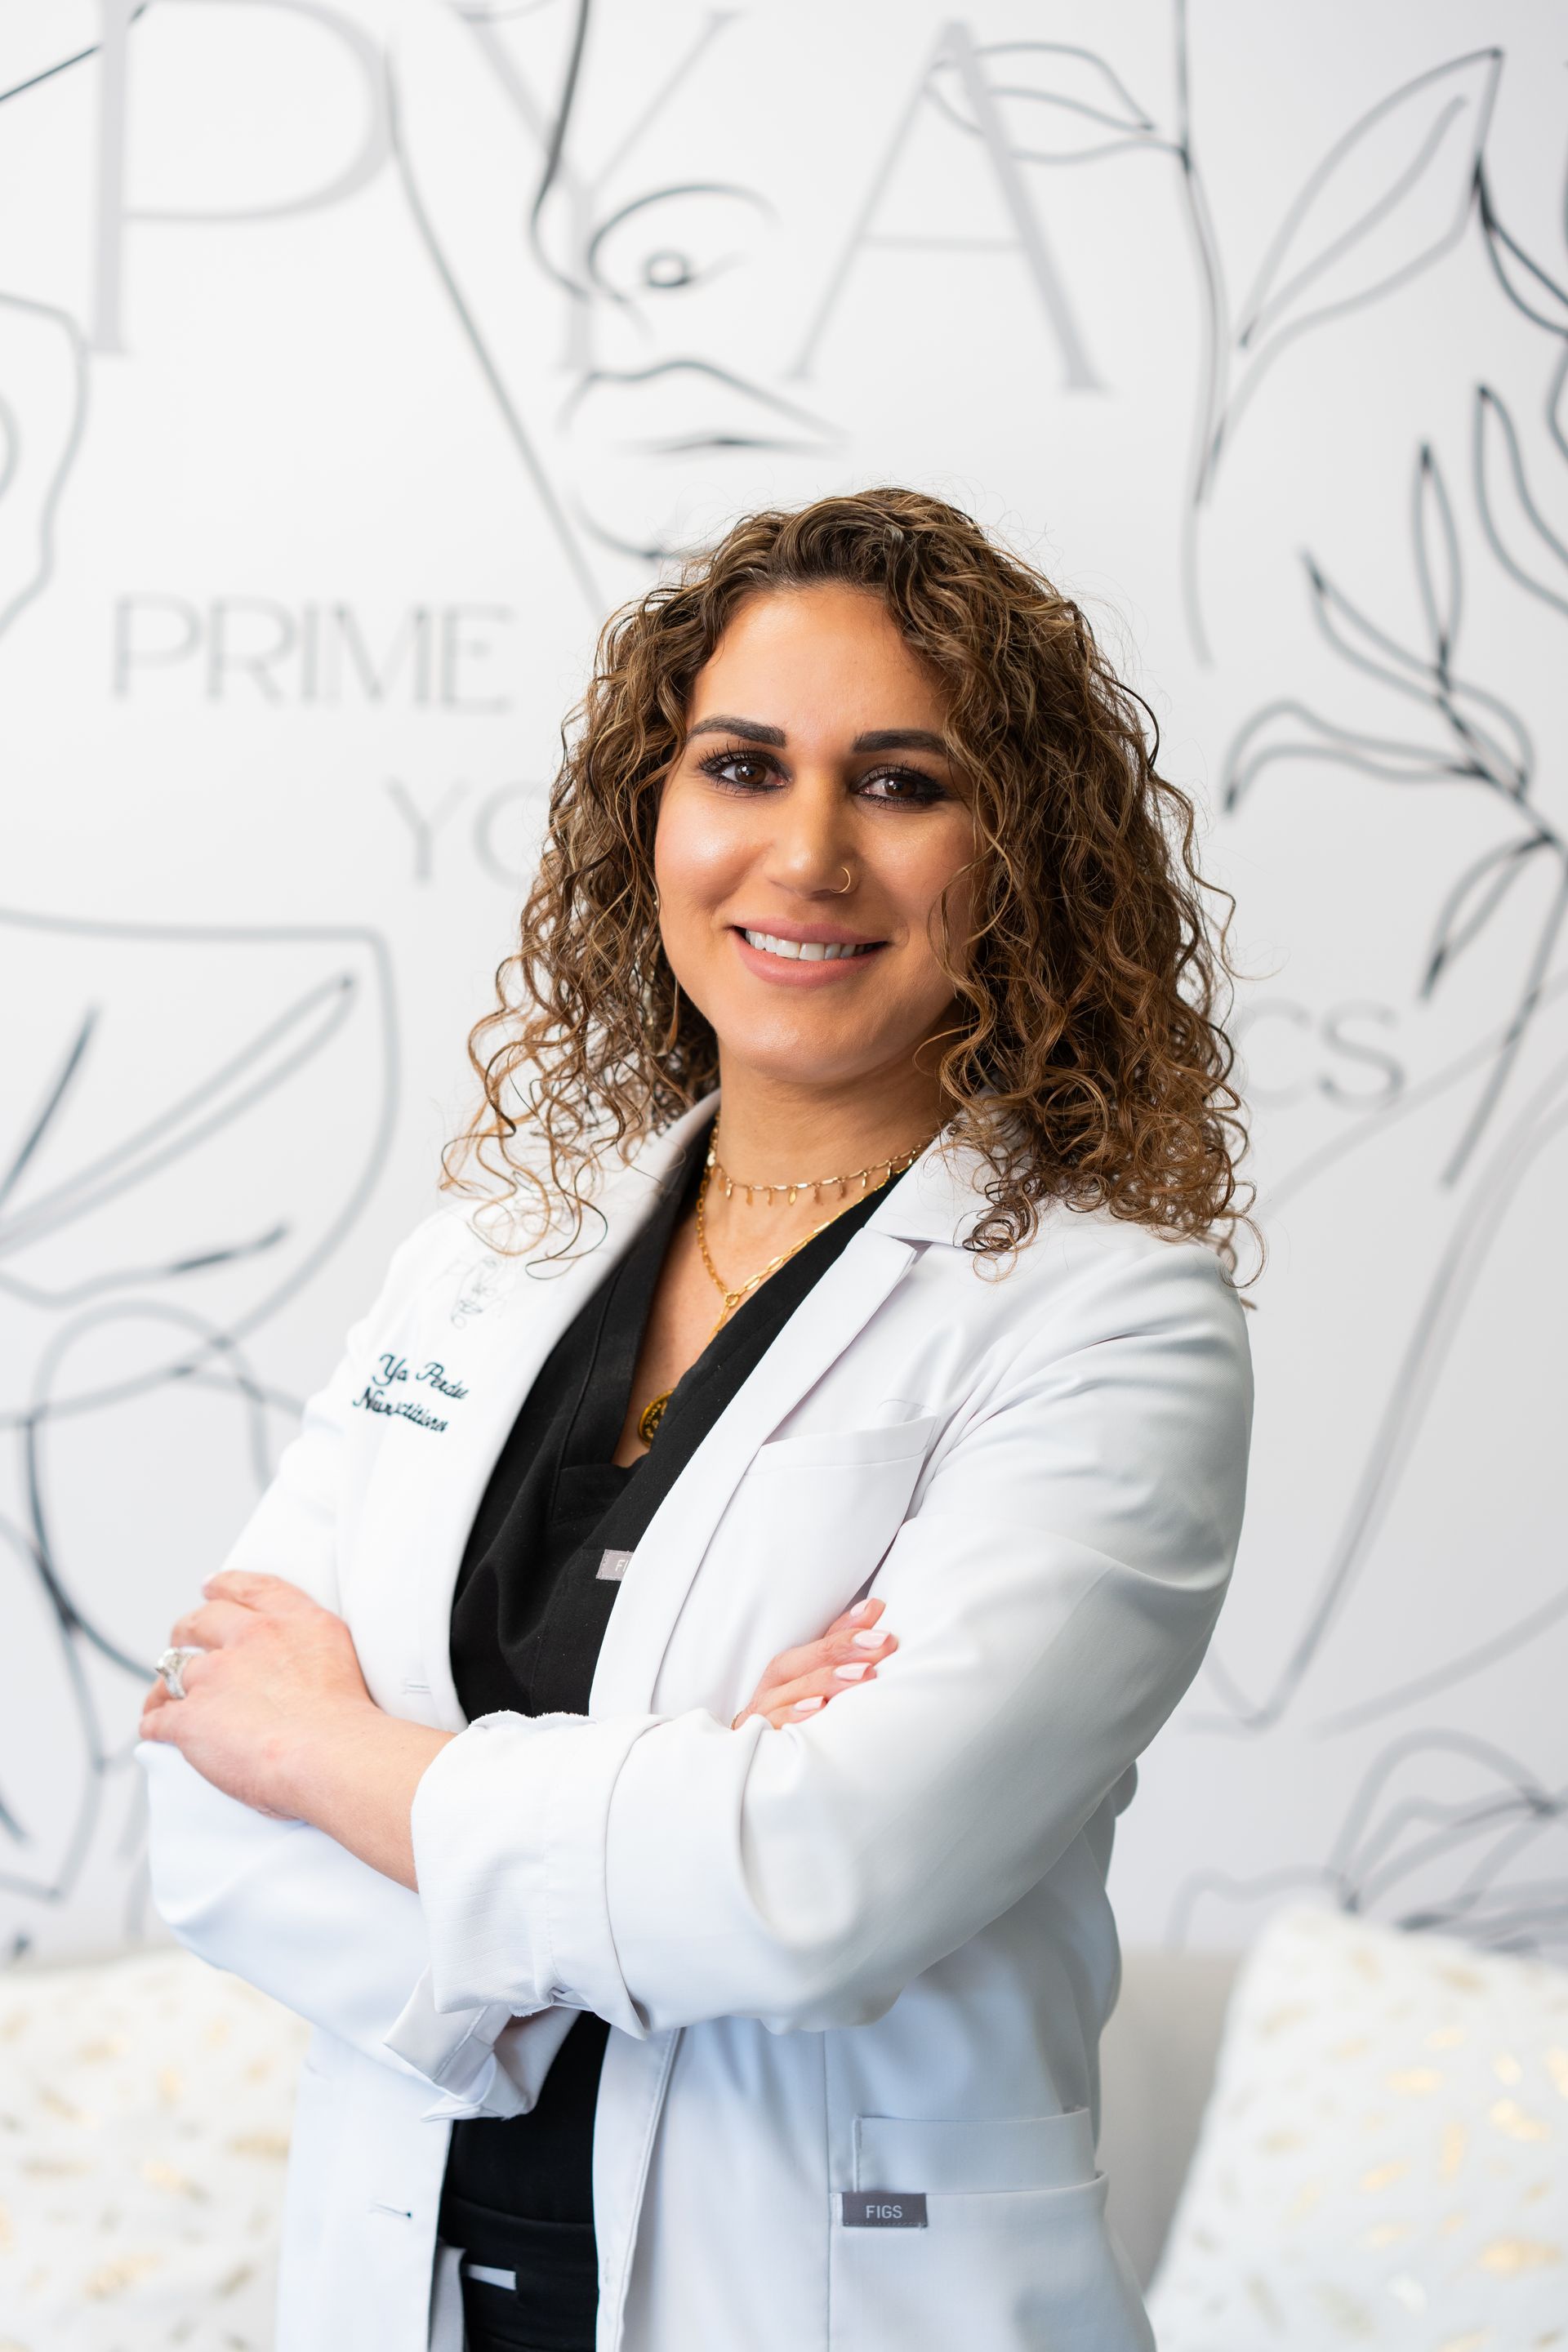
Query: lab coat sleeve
278	1902
1053	1591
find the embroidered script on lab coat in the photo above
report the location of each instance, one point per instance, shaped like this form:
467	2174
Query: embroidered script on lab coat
376	1394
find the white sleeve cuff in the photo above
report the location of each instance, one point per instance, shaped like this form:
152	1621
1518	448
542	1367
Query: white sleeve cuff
455	2051
519	1917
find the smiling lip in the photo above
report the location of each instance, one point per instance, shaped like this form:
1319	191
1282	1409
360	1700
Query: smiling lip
802	954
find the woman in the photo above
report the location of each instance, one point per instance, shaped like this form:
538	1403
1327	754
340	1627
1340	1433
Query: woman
852	1252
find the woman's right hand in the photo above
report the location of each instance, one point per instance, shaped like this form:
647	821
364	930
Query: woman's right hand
799	1683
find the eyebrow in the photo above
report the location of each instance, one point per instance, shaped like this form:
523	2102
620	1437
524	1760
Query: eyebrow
876	738
900	738
753	729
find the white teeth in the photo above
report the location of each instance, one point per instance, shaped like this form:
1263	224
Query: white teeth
806	951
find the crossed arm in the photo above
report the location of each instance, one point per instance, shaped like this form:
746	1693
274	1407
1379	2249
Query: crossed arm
277	1713
1054	1592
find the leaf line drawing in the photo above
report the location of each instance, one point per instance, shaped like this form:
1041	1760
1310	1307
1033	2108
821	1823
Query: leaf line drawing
261	1064
1392	195
351	1010
1471	736
34	568
1388	199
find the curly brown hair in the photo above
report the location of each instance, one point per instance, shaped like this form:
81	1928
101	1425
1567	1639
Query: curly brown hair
1087	1063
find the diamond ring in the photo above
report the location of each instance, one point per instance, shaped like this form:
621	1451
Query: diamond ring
171	1666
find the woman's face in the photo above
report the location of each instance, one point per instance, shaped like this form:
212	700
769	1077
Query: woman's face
813	761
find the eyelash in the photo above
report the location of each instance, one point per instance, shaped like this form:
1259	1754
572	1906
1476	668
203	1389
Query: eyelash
930	789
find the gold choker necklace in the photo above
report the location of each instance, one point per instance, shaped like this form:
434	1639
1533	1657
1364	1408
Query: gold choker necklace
882	1169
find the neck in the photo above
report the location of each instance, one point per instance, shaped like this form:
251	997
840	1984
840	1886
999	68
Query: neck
774	1132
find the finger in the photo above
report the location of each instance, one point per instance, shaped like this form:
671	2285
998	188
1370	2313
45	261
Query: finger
156	1722
781	1717
867	1647
864	1612
210	1627
829	1682
803	1710
859	1619
194	1672
804	1693
252	1589
158	1698
845	1639
810	1692
788	1664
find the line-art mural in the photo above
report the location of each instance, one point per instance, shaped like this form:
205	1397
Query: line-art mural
1444	1831
148	1235
1478	1869
1252	327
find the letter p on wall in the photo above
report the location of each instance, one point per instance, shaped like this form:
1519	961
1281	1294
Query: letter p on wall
297	23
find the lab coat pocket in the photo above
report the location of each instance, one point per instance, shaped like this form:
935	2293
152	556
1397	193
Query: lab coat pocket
987	2234
853	1449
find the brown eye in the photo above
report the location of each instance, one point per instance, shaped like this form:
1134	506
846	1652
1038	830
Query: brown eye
746	771
902	787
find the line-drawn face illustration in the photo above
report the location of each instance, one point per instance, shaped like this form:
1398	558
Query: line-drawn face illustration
614	252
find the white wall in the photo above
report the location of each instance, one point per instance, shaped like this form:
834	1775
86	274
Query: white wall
325	442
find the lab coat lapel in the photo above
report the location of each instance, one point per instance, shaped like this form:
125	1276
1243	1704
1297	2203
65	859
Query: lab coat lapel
506	1356
666	1560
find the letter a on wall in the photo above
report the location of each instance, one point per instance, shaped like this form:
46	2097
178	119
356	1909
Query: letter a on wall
957	60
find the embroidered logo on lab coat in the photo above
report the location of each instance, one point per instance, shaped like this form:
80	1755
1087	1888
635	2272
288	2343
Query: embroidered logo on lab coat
480	1287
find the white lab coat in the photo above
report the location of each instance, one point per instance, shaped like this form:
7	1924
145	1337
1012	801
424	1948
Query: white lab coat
872	1952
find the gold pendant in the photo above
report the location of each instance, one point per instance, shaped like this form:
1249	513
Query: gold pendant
651	1415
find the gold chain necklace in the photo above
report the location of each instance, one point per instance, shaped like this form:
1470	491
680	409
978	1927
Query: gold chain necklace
884	1171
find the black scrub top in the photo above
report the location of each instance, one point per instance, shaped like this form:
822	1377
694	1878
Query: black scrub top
529	1614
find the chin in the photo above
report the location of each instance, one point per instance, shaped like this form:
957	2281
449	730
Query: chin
803	1054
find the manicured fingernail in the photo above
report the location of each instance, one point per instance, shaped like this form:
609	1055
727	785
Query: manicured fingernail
853	1674
807	1706
869	1639
862	1608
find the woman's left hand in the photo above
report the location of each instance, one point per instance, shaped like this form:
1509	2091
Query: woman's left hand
277	1674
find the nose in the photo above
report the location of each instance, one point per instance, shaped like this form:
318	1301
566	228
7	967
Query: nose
809	852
